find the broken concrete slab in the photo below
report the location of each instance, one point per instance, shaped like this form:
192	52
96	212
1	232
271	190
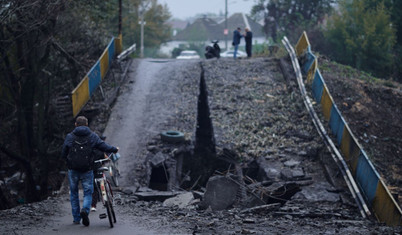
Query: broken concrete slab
291	174
155	195
182	200
157	159
291	163
220	193
317	193
298	173
269	170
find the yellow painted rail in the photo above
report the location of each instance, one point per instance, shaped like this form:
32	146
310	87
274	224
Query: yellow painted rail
375	192
84	90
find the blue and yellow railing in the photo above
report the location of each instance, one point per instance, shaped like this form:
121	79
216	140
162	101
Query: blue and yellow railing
376	193
84	90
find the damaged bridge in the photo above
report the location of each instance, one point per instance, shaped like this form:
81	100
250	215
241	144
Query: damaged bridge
244	142
213	147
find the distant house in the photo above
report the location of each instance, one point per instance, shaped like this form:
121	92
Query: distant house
205	29
177	25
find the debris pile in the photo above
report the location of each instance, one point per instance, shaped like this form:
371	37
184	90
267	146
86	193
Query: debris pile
266	148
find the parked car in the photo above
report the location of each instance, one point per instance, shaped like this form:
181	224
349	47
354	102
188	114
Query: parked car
188	55
231	52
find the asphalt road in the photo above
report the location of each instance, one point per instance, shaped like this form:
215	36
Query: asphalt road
142	105
64	225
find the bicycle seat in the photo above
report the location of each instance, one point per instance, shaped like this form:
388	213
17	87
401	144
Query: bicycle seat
102	169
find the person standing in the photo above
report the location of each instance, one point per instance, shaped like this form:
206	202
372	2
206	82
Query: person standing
78	152
248	37
236	41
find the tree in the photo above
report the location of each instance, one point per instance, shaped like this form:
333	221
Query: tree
362	36
290	17
46	48
394	8
26	31
156	31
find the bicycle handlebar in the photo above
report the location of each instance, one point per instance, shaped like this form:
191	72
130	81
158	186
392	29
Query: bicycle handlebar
105	159
102	160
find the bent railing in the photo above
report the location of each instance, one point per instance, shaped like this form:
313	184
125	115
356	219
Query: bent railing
376	193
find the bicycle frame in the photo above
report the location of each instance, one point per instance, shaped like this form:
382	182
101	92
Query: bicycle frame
100	183
105	193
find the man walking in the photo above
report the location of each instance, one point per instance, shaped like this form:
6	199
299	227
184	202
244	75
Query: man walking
236	41
248	37
77	150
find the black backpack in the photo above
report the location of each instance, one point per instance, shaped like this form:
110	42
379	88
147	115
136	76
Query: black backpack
80	157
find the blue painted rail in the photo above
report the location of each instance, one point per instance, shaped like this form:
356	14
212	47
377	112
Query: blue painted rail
84	90
376	193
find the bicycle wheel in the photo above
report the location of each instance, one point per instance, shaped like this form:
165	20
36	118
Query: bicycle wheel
110	202
109	212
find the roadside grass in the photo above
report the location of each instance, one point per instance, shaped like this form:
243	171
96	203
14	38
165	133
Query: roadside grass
327	66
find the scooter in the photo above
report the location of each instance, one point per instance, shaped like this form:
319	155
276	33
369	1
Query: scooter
213	51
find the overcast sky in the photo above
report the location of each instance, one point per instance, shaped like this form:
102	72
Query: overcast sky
187	8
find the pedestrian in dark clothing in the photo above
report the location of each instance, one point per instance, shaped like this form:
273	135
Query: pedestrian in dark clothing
236	41
79	140
248	37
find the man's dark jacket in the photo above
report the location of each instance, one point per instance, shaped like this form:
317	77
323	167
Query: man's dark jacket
236	37
93	138
248	38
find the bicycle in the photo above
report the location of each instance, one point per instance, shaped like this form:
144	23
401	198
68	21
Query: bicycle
105	192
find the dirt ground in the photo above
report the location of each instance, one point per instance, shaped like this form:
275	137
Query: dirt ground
255	112
373	110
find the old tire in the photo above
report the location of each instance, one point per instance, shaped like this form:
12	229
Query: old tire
172	136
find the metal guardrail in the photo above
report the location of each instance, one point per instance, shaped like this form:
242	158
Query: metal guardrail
376	194
83	91
126	53
336	156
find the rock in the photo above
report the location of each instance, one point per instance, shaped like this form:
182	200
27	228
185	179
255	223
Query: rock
152	148
286	174
249	221
181	200
291	163
298	173
289	217
247	231
128	191
269	170
302	153
291	174
220	193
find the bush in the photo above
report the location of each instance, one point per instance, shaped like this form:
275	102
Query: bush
362	37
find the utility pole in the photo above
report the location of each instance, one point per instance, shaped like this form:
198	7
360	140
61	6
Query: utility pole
226	32
120	17
142	23
120	31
